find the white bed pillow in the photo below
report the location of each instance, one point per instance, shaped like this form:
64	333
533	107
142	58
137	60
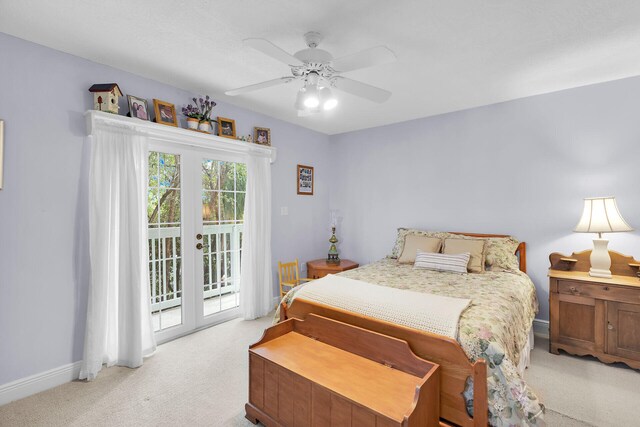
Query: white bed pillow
456	263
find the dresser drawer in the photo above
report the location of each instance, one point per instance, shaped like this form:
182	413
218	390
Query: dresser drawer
599	291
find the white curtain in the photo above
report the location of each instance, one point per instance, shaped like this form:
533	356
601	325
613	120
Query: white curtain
256	293
119	327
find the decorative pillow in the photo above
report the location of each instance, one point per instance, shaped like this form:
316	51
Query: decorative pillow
473	246
501	254
404	232
442	262
413	243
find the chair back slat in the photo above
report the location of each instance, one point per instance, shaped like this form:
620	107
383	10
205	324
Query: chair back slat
289	275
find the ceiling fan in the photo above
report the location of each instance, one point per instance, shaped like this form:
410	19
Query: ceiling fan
320	72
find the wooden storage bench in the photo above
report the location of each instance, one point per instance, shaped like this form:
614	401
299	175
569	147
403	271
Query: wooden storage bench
321	372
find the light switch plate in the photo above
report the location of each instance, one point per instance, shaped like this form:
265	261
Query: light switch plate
284	211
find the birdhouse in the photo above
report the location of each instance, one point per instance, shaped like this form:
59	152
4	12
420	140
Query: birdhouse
105	97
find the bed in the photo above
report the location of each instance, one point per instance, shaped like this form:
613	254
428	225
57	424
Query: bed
482	369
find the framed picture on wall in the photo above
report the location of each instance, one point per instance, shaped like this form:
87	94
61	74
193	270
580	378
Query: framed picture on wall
262	136
165	113
138	107
226	127
305	180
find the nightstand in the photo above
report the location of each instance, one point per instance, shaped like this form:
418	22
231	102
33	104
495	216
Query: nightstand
320	267
595	316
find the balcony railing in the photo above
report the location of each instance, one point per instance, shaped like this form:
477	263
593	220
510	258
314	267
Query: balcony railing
221	260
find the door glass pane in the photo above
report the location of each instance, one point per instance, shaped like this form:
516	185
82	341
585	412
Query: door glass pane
223	195
210	203
239	206
165	231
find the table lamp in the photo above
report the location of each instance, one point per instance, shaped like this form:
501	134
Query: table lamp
333	257
601	215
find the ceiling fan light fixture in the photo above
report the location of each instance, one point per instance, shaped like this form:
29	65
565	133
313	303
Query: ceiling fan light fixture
311	102
311	97
328	101
317	69
330	104
313	79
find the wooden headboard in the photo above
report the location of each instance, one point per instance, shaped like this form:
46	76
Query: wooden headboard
521	251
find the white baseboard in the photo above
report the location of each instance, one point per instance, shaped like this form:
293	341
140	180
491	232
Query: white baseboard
541	328
39	382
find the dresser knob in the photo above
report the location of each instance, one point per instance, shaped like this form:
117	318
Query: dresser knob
606	288
573	288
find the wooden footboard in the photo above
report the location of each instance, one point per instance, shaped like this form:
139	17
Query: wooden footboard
454	364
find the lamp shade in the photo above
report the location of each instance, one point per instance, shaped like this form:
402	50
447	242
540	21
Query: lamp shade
601	215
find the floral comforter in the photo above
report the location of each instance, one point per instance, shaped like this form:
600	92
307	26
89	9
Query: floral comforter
495	327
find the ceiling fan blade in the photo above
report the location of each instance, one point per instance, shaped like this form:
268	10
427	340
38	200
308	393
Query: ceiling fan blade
270	49
251	88
367	58
360	89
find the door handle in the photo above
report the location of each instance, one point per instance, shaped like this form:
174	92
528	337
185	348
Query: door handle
199	236
610	326
199	245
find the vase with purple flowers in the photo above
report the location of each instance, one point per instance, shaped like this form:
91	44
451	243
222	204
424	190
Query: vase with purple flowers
199	114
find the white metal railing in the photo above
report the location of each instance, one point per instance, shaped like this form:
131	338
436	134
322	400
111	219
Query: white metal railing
221	250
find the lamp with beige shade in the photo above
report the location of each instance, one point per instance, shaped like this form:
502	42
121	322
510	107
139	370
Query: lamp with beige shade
601	215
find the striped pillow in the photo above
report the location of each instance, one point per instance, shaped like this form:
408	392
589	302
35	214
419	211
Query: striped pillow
442	262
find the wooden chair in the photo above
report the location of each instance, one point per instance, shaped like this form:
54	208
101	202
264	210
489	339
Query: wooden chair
289	275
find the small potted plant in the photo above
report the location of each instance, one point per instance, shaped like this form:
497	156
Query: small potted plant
199	114
193	116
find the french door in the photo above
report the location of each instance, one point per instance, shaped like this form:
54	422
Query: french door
195	214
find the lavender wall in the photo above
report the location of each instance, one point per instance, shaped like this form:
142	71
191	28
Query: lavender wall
519	167
43	245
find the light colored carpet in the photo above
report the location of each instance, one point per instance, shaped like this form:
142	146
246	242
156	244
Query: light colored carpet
197	380
201	380
581	388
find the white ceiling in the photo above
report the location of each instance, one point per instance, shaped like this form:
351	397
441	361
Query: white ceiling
452	54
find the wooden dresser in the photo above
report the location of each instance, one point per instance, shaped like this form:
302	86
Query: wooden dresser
319	268
321	372
592	315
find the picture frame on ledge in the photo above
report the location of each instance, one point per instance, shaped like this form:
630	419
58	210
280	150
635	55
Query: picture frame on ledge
226	127
165	113
138	107
262	136
305	180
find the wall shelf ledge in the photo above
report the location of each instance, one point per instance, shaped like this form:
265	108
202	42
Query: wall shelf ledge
96	120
